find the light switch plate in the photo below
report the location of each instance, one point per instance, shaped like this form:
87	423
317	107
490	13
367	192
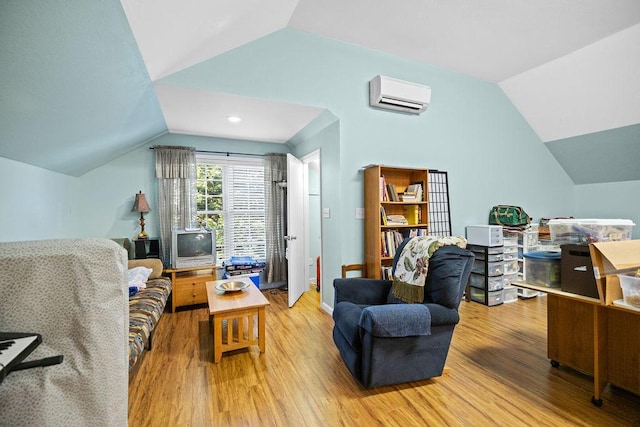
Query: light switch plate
359	213
326	213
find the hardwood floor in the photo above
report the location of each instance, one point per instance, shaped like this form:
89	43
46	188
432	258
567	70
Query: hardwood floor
499	375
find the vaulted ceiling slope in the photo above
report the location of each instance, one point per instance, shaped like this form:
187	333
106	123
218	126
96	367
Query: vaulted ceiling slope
74	92
80	79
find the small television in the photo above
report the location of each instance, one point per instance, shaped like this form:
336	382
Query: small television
193	248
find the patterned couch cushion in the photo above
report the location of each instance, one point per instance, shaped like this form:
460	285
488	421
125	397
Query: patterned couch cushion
145	309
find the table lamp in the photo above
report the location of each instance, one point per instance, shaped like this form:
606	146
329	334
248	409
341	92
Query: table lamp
141	205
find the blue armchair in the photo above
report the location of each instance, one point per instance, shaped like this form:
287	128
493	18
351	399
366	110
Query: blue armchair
384	341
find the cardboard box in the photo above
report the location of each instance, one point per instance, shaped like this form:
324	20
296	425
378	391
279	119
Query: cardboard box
576	271
609	259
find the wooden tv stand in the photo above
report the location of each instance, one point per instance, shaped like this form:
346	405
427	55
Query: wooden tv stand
189	285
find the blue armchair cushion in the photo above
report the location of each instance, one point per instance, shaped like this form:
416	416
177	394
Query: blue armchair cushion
396	320
443	285
346	316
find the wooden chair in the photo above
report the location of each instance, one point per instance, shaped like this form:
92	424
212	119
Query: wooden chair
354	267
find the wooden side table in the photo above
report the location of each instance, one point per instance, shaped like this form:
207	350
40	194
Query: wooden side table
239	310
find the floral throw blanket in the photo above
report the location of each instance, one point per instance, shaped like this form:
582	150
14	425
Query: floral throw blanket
413	263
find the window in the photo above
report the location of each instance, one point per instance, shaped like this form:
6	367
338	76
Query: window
231	201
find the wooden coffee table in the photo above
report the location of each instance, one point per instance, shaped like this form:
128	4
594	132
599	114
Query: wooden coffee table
240	310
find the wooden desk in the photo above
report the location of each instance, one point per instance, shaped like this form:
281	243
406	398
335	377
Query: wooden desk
592	338
239	310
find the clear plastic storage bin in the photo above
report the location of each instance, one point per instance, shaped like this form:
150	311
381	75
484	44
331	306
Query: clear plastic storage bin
492	283
630	284
542	268
509	294
572	230
486	297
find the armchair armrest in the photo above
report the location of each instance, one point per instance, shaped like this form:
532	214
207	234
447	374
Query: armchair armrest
361	291
441	315
396	320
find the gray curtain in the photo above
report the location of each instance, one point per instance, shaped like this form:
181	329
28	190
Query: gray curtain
176	173
275	179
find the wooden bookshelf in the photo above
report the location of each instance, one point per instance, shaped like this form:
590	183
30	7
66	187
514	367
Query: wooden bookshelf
374	202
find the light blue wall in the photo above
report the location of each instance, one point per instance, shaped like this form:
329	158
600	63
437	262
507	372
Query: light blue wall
470	130
37	204
610	200
110	190
74	89
327	141
607	156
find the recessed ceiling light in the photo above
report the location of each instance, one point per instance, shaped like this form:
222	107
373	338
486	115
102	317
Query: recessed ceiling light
234	119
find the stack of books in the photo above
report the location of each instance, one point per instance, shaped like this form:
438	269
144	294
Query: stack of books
413	193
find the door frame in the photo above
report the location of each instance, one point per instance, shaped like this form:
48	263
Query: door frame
313	156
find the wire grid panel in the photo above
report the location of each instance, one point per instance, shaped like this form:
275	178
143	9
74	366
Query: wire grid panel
439	214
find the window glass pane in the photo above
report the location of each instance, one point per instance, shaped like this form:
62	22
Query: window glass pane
200	202
215	204
214	187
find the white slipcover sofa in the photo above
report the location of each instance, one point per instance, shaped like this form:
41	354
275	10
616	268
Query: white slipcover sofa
75	294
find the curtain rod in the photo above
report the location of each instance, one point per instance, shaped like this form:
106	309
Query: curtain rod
227	153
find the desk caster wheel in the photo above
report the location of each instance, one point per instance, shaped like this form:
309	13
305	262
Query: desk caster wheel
555	363
596	402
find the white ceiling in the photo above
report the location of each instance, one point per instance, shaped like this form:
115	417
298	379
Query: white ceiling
489	39
197	112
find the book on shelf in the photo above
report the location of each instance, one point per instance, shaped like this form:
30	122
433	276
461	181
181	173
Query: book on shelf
413	214
393	196
383	216
384	191
409	196
396	220
389	242
391	239
415	232
417	189
386	273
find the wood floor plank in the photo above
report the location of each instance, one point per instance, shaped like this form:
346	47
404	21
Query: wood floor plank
499	375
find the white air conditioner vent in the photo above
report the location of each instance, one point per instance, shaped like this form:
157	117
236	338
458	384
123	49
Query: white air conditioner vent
399	95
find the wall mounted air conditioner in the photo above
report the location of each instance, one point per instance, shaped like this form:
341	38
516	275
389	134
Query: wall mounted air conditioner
394	94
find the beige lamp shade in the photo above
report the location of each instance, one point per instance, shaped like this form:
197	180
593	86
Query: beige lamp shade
141	205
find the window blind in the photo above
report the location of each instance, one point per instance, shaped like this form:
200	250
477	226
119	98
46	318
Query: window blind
240	219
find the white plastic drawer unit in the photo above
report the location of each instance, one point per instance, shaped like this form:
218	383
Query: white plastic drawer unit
510	253
484	235
511	267
509	294
509	279
486	297
488	268
484	282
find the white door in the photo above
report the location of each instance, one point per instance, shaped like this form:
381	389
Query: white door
296	244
